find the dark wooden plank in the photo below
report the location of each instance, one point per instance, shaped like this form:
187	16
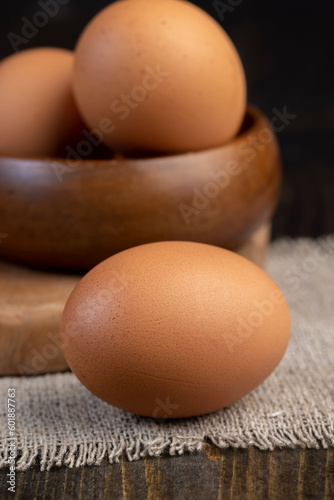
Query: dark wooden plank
238	481
193	479
230	474
283	474
329	475
311	475
113	483
133	479
226	474
258	471
154	478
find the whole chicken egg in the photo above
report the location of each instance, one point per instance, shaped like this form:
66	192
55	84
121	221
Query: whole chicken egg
174	329
38	112
163	74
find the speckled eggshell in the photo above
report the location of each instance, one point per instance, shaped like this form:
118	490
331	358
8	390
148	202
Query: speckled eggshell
174	329
165	75
39	116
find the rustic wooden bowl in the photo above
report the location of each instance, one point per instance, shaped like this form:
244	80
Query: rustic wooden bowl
67	214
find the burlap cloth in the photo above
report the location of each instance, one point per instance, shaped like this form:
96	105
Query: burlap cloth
59	422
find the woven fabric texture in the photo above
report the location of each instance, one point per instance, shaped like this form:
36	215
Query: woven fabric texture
58	422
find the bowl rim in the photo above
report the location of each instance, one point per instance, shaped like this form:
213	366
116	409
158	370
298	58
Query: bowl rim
252	112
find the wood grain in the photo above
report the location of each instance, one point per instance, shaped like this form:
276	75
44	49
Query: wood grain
231	474
31	305
218	196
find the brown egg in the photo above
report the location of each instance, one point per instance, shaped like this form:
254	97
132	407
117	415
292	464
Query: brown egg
38	113
174	329
159	76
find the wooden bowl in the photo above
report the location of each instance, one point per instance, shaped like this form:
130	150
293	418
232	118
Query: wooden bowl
67	214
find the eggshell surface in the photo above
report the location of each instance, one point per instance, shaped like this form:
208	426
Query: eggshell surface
174	329
38	113
164	73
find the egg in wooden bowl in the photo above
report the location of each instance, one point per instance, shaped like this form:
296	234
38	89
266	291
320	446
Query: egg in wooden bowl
139	135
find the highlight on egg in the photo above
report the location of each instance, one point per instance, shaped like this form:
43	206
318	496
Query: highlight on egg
161	76
183	324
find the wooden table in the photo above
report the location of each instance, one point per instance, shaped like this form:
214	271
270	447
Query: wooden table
212	474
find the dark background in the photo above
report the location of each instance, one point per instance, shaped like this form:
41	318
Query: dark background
287	51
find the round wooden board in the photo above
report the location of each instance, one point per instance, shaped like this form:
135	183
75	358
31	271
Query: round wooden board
31	305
